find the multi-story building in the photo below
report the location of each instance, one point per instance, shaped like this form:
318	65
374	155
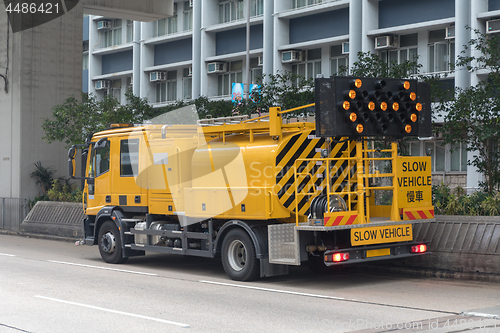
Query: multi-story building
202	50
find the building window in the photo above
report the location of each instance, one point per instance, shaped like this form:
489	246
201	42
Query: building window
167	91
129	157
458	157
85	61
309	68
303	3
407	51
129	82
130	31
113	36
225	81
441	52
168	25
444	157
230	10
188	17
116	90
256	8
255	71
338	61
187	84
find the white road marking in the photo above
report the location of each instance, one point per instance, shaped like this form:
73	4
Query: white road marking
272	290
98	267
482	315
114	311
7	255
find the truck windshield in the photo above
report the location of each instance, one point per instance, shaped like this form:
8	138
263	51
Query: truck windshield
99	161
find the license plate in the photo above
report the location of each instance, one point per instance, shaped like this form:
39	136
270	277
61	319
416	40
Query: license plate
378	253
381	235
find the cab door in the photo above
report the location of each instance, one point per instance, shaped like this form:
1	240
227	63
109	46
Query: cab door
99	181
126	192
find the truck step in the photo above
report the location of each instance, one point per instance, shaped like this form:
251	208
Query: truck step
132	220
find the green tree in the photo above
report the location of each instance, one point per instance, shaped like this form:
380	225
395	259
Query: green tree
371	65
472	115
73	120
43	177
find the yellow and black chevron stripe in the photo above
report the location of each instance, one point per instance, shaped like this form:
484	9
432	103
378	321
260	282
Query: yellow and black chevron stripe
310	175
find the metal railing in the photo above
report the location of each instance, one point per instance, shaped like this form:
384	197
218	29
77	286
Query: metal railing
361	163
12	213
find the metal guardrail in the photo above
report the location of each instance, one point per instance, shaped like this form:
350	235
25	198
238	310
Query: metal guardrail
12	212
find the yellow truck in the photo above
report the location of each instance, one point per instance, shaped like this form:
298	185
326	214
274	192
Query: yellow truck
261	193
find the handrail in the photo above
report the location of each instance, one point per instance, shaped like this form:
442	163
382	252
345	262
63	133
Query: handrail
361	168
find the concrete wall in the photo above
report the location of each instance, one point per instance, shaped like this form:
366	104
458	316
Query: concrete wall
44	68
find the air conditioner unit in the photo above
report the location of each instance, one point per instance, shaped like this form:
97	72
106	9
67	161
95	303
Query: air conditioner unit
260	61
492	26
345	48
292	56
103	25
216	67
385	42
450	32
157	76
190	71
101	84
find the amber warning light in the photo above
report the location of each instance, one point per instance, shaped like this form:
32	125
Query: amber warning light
376	107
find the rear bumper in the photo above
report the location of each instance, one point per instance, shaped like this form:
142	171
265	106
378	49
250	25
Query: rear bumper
360	254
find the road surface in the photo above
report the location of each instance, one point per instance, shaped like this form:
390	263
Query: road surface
54	286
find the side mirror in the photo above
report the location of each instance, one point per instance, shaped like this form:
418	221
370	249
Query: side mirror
71	167
72	152
101	143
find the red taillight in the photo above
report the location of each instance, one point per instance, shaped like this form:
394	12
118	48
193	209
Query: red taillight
421	248
337	257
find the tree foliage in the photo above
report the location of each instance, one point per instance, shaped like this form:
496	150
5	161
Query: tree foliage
371	65
73	121
43	177
472	114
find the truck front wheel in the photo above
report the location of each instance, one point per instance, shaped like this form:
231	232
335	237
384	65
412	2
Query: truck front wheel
110	244
238	256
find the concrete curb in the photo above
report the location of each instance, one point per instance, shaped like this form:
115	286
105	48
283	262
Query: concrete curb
39	236
60	219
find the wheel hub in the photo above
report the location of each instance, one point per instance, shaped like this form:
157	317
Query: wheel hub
108	242
237	255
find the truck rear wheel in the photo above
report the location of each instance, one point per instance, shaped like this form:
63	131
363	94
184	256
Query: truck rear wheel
110	244
238	256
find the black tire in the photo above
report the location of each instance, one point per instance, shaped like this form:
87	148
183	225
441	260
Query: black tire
238	256
110	243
